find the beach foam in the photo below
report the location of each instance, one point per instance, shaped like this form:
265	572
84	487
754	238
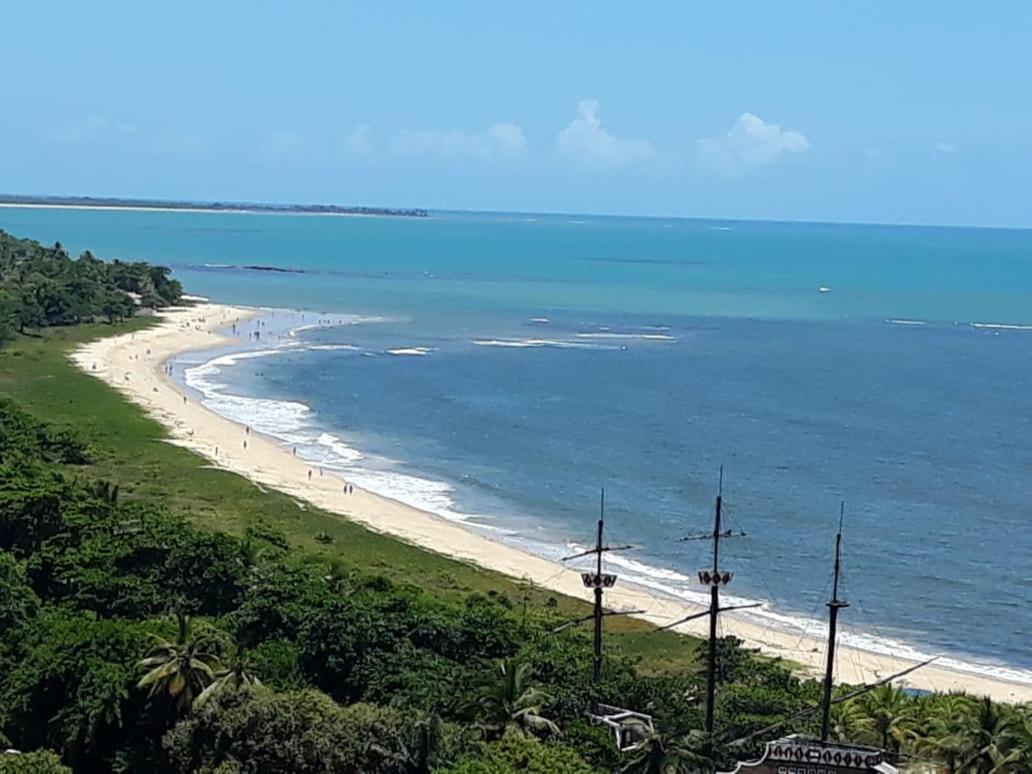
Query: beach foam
415	351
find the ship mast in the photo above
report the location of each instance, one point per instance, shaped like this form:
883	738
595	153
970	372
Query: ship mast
834	605
598	581
715	578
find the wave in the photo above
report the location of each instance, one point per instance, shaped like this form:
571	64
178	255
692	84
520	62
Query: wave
332	347
337	320
640	336
533	343
269	416
1002	326
906	322
417	351
295	424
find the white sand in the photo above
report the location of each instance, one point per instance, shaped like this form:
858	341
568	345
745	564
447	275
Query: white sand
134	364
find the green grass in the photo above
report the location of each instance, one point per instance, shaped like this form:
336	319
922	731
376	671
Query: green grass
131	451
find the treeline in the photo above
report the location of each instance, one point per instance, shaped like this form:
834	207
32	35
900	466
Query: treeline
132	641
44	286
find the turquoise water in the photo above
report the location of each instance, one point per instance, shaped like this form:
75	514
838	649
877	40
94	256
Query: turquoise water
538	358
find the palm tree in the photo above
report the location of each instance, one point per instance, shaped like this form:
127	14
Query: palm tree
946	730
230	679
508	700
889	715
992	741
668	754
848	721
181	668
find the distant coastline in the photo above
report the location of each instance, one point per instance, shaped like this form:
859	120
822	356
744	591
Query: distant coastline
162	205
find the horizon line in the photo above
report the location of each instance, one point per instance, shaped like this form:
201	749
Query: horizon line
269	207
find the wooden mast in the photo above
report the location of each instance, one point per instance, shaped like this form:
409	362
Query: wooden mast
714	610
834	605
598	581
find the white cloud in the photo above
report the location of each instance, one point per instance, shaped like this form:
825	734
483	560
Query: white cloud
585	139
360	141
90	128
751	142
499	141
129	136
946	147
282	143
176	142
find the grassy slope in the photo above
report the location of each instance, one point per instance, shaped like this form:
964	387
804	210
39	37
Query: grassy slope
37	374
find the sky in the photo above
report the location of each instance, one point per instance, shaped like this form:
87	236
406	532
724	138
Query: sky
915	112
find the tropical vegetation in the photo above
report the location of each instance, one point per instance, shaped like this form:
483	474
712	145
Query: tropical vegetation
44	286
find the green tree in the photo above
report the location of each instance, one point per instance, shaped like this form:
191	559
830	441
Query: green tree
37	762
946	729
238	675
181	668
516	753
298	732
889	716
508	700
668	754
992	741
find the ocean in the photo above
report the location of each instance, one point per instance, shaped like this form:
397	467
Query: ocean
502	369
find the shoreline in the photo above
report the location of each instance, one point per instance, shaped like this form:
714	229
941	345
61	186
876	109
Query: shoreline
133	364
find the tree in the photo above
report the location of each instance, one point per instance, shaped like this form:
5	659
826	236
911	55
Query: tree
181	668
70	688
848	721
668	754
515	753
889	716
507	700
946	730
992	741
297	732
233	678
37	762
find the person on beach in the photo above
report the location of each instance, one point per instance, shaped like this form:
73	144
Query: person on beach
247	430
245	444
309	474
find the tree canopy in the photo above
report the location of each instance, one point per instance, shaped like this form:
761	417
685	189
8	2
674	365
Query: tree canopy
44	286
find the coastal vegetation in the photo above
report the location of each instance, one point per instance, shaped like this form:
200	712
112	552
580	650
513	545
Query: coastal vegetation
44	286
157	614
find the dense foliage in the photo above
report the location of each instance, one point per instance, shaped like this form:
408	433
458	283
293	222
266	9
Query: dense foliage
43	286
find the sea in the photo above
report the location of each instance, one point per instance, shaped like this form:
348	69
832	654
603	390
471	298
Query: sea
502	370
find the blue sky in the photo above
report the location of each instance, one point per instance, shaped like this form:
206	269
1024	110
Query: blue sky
893	112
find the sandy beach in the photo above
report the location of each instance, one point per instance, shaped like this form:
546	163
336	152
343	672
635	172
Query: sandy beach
134	364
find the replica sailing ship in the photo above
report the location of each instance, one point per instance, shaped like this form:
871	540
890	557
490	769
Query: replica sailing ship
791	754
799	754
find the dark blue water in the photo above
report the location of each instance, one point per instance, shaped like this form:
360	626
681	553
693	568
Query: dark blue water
660	351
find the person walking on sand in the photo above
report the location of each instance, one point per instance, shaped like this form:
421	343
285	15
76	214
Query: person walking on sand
309	474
